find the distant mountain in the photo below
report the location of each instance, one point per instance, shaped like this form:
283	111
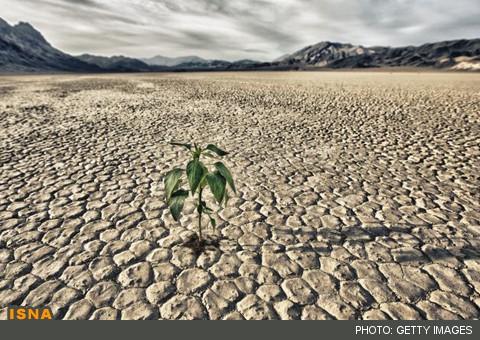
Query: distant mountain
445	54
194	62
24	49
115	63
246	62
166	61
206	64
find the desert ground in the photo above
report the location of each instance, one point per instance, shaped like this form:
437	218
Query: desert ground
358	195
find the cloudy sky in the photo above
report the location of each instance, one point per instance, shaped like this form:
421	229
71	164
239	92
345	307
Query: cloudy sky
254	29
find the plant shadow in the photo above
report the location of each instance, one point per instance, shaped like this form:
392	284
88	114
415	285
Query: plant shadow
198	246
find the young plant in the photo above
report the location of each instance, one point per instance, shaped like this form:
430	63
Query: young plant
199	177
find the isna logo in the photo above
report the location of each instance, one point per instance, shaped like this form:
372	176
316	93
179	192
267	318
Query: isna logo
29	313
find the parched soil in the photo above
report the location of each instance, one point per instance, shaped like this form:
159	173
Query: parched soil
358	196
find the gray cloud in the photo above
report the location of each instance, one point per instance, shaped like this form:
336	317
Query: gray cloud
254	29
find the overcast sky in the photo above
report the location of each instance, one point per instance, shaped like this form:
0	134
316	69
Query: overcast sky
254	29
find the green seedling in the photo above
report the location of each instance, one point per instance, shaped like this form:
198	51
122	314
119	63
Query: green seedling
199	176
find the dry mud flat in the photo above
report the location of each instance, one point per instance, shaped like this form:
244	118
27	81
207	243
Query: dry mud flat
358	196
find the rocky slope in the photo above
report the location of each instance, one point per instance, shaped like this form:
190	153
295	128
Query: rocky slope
24	49
443	54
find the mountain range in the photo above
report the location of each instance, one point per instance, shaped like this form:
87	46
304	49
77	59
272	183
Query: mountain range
23	49
456	54
115	63
166	61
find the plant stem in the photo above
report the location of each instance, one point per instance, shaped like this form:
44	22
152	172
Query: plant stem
200	214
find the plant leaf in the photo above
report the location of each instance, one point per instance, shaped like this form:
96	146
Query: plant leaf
176	203
226	173
186	146
172	180
195	172
217	184
218	151
213	222
226	197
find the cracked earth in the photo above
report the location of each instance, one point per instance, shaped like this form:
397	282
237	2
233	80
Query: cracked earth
358	196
